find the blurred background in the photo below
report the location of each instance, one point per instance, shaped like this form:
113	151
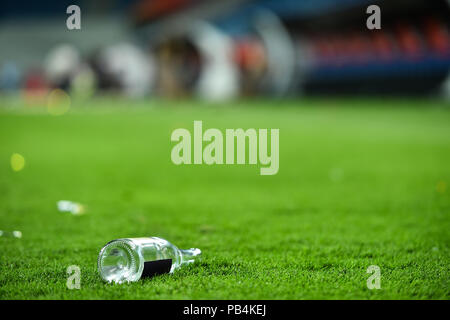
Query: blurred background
86	118
225	48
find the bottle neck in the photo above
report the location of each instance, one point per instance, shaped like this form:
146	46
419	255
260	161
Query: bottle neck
189	255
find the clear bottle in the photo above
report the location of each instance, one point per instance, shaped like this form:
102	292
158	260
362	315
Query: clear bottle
129	259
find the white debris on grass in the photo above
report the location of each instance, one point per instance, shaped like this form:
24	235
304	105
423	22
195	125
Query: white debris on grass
71	207
13	234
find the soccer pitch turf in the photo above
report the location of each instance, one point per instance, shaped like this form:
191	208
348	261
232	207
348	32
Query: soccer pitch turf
361	182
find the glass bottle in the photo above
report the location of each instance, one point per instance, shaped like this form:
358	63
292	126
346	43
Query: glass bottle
129	259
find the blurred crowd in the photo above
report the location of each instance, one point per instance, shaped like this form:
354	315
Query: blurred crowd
274	55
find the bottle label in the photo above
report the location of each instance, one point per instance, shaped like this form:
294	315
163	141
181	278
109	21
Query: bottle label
157	267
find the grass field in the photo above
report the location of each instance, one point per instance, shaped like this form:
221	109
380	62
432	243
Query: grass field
361	182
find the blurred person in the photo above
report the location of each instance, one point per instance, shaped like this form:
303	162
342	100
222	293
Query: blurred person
61	64
10	76
35	87
199	61
133	70
250	57
219	79
179	64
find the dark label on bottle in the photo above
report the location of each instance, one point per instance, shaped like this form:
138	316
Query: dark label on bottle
157	267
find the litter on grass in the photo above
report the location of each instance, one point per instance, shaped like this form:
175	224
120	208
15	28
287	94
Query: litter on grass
71	207
11	234
129	259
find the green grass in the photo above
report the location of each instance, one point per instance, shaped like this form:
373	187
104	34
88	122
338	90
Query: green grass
361	182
